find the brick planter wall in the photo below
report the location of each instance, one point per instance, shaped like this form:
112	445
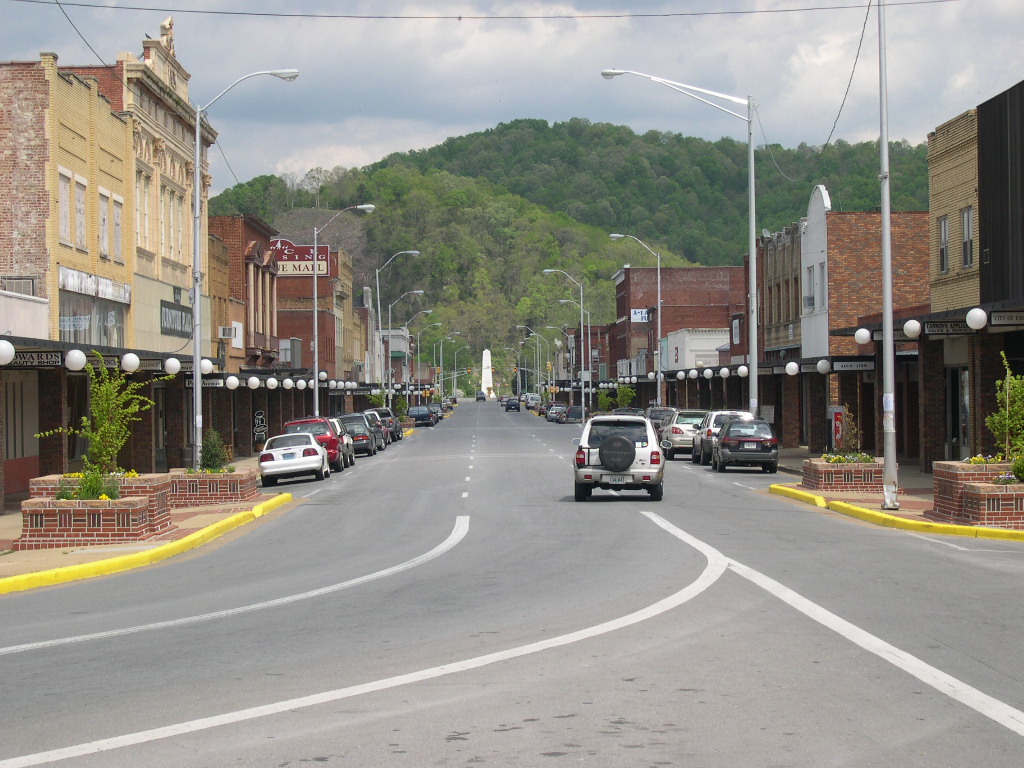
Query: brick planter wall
202	489
819	475
949	479
154	488
50	523
1000	506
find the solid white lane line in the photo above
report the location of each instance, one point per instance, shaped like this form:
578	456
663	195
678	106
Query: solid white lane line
457	534
715	567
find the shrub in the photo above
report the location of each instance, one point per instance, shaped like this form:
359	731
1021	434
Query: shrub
213	456
401	407
605	401
624	396
1007	423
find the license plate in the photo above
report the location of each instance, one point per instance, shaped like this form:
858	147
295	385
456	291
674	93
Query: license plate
617	479
287	455
750	446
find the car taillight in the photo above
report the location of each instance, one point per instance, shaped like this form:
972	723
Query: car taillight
771	441
655	458
581	457
266	457
309	452
357	438
710	432
730	442
677	431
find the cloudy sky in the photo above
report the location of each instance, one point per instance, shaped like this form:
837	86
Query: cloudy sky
381	76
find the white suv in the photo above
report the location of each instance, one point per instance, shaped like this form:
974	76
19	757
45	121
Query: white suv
704	437
618	452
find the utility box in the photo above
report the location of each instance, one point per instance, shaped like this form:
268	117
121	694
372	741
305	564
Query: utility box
836	421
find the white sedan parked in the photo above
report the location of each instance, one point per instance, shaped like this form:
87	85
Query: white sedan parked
293	455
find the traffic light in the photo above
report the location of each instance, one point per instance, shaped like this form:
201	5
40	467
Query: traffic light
515	369
469	370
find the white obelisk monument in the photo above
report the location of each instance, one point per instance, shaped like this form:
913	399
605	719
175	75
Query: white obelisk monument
486	379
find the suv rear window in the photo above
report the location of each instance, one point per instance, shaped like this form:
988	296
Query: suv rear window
635	433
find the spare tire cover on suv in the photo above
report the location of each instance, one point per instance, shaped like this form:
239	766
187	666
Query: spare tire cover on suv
617	453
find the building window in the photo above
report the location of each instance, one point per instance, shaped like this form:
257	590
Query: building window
967	227
822	287
809	291
142	183
80	241
104	223
65	207
118	232
943	245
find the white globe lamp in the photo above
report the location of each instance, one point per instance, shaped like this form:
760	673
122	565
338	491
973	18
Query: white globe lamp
977	319
792	368
862	335
231	382
172	365
130	362
74	360
205	366
912	329
6	352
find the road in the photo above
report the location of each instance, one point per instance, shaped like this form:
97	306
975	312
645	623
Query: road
447	603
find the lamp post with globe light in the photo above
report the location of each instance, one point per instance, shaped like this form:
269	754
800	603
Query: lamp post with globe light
584	380
380	331
365	208
197	259
389	382
699	93
659	376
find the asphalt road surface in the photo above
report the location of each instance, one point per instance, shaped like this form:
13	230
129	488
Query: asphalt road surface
447	603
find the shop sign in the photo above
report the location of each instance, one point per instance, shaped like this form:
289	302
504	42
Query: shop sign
1013	317
37	360
175	320
853	365
638	315
298	259
947	328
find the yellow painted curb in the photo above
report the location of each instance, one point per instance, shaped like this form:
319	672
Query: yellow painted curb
139	559
795	493
893	521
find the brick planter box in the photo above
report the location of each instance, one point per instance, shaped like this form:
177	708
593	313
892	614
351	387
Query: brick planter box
820	475
949	479
51	523
991	504
202	489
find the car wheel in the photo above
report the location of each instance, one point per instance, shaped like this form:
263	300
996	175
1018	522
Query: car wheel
324	471
714	462
617	453
771	468
669	453
694	456
269	482
657	491
339	465
581	492
719	464
705	458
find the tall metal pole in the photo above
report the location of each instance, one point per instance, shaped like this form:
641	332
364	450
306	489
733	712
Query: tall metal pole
890	485
197	262
752	259
316	326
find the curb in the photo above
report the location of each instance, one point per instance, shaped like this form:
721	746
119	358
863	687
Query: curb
892	521
111	565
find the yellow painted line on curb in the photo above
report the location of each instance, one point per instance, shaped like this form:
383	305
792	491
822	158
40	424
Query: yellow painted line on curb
893	521
139	559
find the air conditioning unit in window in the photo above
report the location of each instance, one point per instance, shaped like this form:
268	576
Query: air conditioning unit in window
225	331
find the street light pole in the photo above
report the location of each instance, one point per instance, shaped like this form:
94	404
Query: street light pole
197	261
419	394
659	375
692	91
407	293
380	339
446	338
365	208
584	381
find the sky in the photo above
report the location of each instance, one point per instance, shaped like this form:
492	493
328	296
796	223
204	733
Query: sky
384	76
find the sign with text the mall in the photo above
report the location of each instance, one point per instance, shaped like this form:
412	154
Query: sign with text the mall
298	259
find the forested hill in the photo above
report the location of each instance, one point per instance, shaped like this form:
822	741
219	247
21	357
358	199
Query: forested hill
688	193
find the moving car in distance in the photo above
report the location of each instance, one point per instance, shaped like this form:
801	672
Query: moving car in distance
512	404
292	455
481	396
618	452
746	443
554	409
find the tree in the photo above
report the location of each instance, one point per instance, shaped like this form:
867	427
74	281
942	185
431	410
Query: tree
1007	423
624	396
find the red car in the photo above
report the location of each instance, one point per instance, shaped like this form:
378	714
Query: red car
324	433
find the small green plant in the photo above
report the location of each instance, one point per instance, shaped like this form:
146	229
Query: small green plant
605	401
214	456
1007	423
624	396
378	400
401	405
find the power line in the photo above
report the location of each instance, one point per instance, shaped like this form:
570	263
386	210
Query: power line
479	17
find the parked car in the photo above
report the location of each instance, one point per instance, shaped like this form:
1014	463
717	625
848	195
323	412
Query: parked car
618	452
659	415
348	448
553	410
391	423
704	437
502	400
360	427
324	432
746	443
377	422
438	410
292	455
512	404
628	412
571	415
422	416
481	396
677	433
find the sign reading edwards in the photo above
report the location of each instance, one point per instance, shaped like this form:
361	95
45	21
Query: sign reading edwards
298	259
